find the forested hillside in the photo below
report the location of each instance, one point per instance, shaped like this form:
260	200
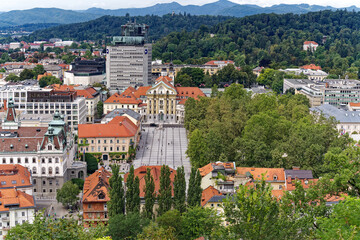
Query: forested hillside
100	28
272	40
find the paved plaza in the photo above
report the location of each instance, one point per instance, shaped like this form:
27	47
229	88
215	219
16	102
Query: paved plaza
163	145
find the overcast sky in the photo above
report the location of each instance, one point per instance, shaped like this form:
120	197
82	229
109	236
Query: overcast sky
8	5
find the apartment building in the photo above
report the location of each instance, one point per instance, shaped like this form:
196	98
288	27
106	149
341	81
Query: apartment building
16	176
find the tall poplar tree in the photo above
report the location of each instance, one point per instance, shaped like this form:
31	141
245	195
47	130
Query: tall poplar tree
164	197
149	194
117	200
130	191
136	195
194	190
180	190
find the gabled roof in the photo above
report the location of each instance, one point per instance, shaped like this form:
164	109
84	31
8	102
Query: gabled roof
155	172
269	173
164	78
299	174
208	193
119	126
96	184
163	82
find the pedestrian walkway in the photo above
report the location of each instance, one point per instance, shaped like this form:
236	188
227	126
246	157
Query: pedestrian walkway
163	146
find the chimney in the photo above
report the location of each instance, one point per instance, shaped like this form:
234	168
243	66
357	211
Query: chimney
296	168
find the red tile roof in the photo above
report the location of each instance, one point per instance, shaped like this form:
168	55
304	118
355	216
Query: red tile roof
164	78
217	62
269	173
87	93
14	175
15	198
155	172
95	184
205	170
309	42
120	126
186	92
122	99
311	66
354	104
208	193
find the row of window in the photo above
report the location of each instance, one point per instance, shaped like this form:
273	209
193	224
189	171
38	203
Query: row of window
43	170
104	141
26	160
105	149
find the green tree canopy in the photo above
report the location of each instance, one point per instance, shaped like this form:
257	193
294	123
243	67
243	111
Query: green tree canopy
68	194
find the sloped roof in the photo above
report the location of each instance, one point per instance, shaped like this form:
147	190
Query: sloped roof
122	99
155	172
95	184
269	173
186	92
218	62
14	175
300	174
15	198
310	42
119	126
205	170
208	193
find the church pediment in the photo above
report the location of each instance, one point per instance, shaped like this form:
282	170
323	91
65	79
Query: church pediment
162	88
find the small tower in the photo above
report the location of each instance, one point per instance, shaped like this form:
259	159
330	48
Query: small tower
11	120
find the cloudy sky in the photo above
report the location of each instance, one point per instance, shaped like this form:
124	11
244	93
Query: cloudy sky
114	4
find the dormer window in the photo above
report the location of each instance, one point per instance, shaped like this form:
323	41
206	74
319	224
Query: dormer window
275	178
101	195
49	147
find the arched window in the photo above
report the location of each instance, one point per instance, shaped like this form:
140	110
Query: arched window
19	160
50	170
43	171
26	160
34	160
34	170
50	160
56	160
57	170
11	160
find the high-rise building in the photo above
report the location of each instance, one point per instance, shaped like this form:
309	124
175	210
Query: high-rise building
128	61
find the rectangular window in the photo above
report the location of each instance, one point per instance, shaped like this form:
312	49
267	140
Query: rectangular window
89	206
23	214
13	182
3	183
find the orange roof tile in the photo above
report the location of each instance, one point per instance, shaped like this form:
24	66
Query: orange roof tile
311	66
186	92
205	170
15	198
95	184
354	104
277	193
217	62
155	172
121	99
14	175
141	91
269	173
208	193
309	42
164	78
120	126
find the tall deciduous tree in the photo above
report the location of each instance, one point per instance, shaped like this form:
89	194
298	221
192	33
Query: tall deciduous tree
180	190
67	195
165	196
150	195
99	109
116	203
197	149
194	190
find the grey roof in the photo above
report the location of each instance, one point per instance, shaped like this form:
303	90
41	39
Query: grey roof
219	198
122	111
340	115
301	174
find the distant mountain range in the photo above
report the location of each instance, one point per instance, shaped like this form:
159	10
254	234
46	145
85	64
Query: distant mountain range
221	7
